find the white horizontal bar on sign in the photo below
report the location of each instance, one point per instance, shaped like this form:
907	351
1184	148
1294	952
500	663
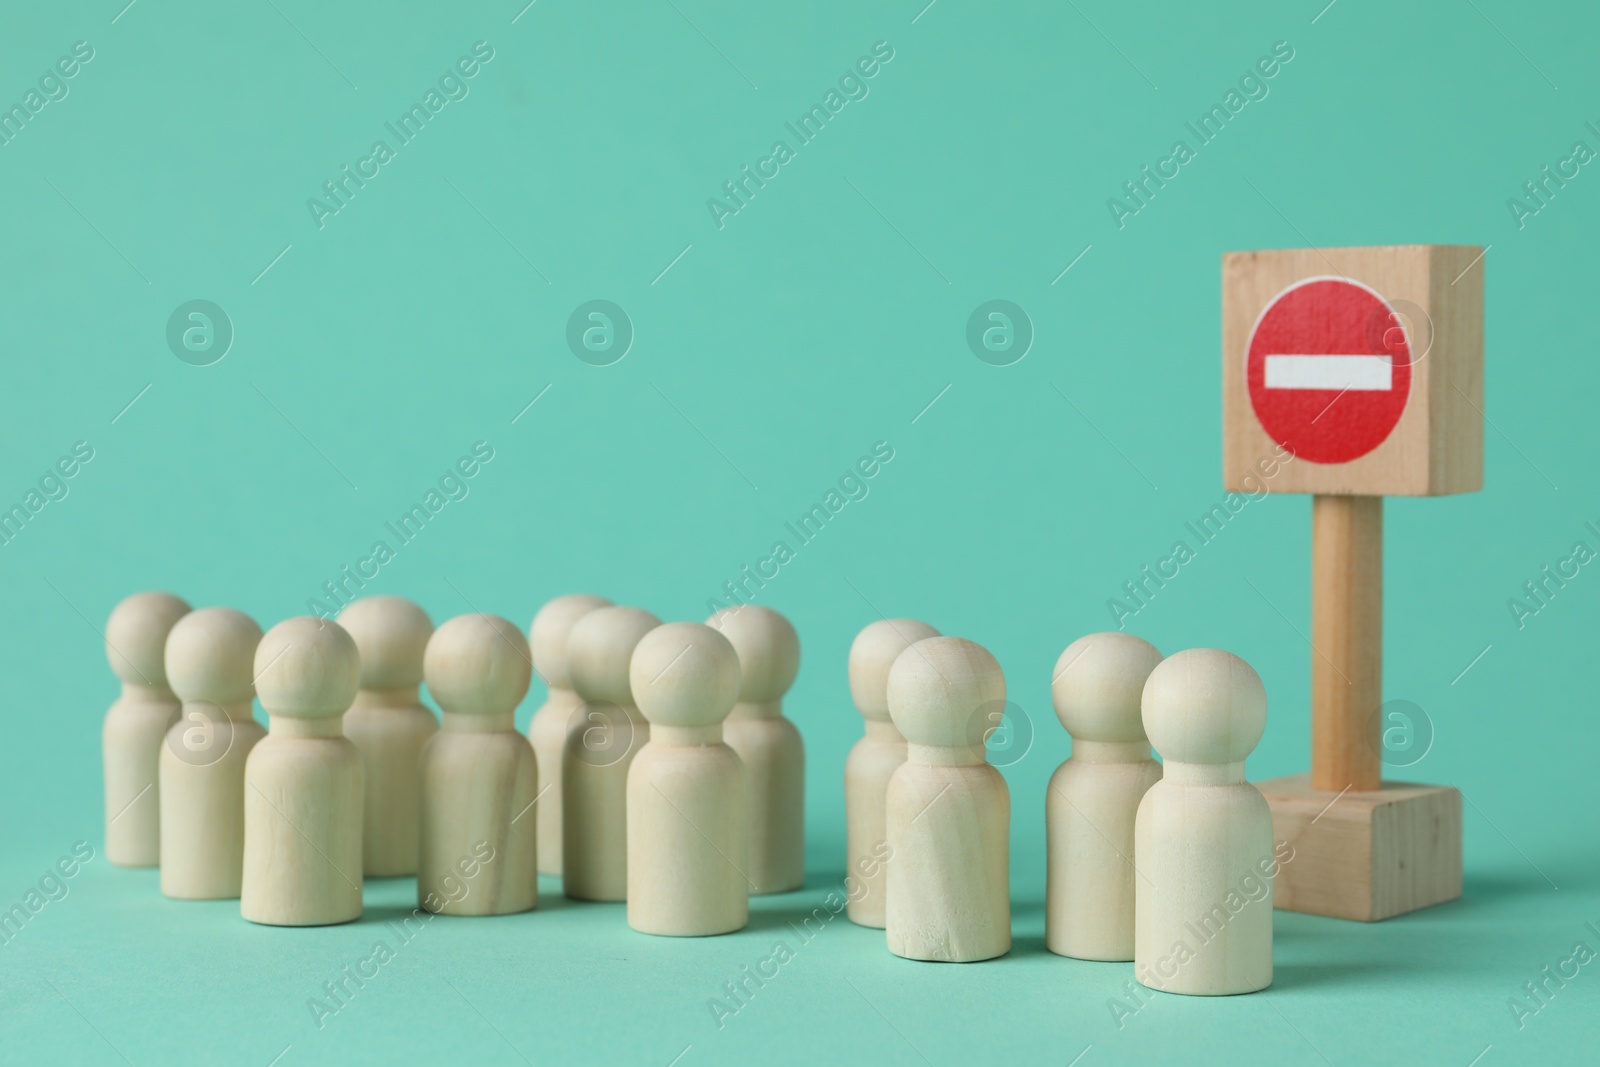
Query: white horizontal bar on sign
1364	373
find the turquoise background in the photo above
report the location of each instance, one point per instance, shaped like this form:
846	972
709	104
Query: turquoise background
823	317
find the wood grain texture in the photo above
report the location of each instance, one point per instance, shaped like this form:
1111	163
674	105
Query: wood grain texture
687	837
872	762
947	876
1093	797
302	831
210	662
202	805
478	846
594	803
1203	835
547	638
136	724
774	759
1204	917
688	840
303	782
389	729
1090	884
1437	447
479	778
389	724
948	812
601	744
130	743
1367	855
547	732
1346	641
769	745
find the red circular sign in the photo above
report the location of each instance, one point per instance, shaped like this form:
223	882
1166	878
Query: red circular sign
1328	367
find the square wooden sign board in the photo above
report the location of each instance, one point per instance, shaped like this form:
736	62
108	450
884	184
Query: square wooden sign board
1365	364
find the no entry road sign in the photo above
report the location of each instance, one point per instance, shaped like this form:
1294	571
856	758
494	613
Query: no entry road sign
1364	364
1329	369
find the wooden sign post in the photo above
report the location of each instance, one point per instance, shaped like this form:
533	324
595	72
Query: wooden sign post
1365	365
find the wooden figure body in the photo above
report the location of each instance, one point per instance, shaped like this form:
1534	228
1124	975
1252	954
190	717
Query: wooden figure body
210	659
602	740
1203	839
547	636
479	776
1094	796
687	838
389	725
130	739
303	781
769	745
871	763
948	811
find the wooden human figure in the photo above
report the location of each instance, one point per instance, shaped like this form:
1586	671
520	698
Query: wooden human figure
687	838
769	744
210	659
1203	840
130	740
479	774
871	763
603	736
1094	796
303	781
548	730
948	812
389	725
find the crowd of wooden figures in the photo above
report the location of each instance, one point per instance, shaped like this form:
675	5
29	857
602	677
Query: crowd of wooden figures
662	772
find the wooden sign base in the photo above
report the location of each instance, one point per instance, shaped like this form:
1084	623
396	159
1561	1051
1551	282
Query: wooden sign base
1365	855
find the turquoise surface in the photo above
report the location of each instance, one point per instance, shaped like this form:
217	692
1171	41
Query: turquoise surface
571	153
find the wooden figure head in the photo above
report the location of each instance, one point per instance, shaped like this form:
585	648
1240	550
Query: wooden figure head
684	674
210	656
943	692
1097	685
392	634
768	647
872	653
549	632
478	665
136	636
1204	705
307	668
599	649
